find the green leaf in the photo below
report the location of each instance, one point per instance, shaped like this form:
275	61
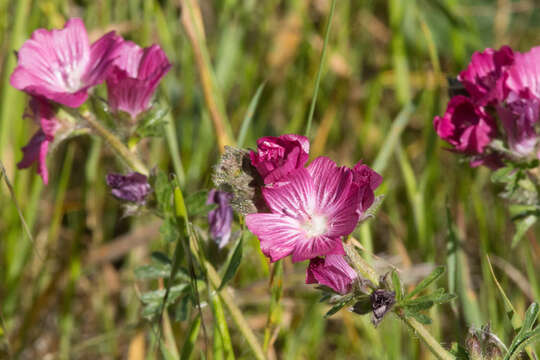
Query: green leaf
398	287
150	272
160	257
169	229
182	309
233	262
189	344
418	305
522	226
157	295
508	307
435	274
523	337
196	204
152	122
344	301
163	192
421	318
151	310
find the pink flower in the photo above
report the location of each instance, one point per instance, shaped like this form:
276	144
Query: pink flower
278	156
332	271
484	77
132	187
367	180
466	126
311	210
36	150
524	76
61	66
220	219
135	77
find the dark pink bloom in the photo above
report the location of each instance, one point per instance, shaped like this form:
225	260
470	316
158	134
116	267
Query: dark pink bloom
311	210
61	66
484	77
132	187
135	77
220	219
332	271
276	157
36	150
466	126
367	180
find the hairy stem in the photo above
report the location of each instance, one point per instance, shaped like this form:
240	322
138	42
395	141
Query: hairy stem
432	344
121	150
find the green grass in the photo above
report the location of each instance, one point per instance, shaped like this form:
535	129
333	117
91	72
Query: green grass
382	82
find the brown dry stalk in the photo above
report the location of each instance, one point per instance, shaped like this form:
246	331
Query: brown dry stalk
192	23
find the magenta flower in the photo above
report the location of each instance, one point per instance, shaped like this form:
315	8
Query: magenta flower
36	150
368	181
61	66
332	271
220	219
132	187
485	76
469	128
276	157
311	210
135	77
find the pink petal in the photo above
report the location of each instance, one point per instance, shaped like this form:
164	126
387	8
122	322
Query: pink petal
103	53
51	64
292	198
278	234
332	184
306	249
525	73
333	272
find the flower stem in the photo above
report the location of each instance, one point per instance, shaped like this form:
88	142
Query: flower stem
432	344
121	150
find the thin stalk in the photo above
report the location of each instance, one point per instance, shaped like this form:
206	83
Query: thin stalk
432	344
129	158
192	23
318	80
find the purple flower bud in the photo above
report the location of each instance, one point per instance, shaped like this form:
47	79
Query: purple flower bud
220	219
131	187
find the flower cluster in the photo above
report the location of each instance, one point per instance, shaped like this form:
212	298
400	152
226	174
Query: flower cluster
495	116
311	208
60	67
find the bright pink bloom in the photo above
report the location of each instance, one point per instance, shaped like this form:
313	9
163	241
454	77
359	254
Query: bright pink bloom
524	75
311	210
135	77
332	271
278	156
61	66
36	150
469	128
484	77
367	180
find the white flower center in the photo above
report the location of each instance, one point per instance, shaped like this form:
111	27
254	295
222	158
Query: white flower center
315	226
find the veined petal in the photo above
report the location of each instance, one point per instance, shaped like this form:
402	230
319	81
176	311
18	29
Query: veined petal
292	198
103	53
308	248
51	64
331	183
343	221
277	233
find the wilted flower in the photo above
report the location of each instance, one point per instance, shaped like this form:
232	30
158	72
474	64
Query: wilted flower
132	187
466	126
484	77
61	66
220	219
36	150
135	77
381	303
276	157
311	210
332	271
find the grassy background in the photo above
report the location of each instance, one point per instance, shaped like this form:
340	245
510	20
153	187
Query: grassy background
70	291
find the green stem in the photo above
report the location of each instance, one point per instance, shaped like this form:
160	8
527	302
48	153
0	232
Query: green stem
432	344
129	158
318	81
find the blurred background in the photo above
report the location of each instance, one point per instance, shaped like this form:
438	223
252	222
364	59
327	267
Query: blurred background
71	293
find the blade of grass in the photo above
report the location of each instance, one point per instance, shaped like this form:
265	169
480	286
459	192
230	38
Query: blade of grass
246	123
319	72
